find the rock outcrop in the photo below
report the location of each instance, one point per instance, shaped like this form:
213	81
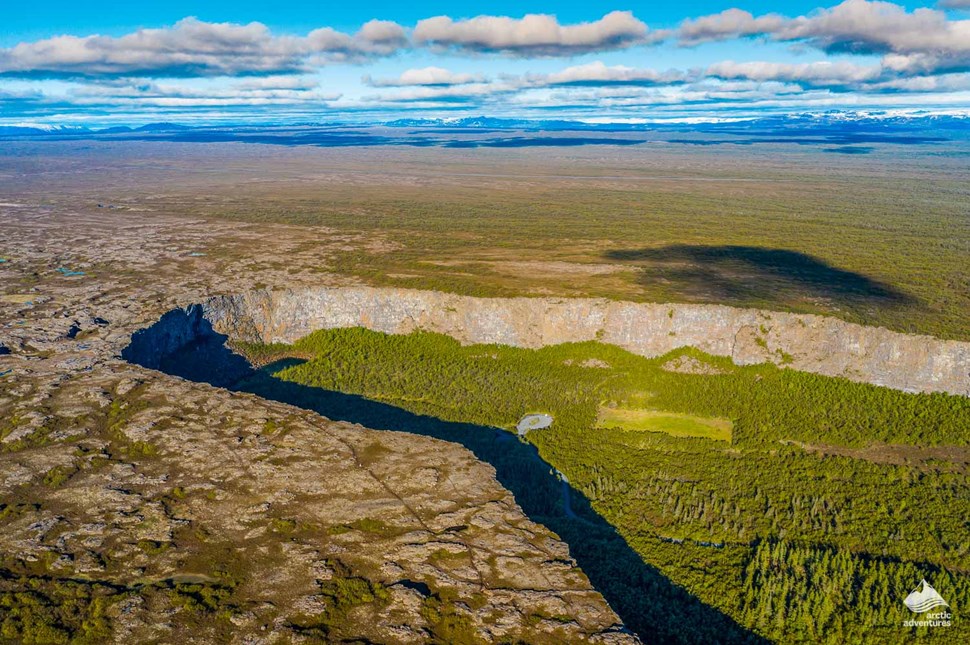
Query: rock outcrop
808	343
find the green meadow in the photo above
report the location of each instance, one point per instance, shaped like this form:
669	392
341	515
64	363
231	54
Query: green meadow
675	425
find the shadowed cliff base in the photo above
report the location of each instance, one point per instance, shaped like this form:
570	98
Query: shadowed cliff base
649	604
742	275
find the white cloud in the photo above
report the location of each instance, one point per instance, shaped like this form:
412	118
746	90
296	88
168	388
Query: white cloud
426	76
916	42
599	74
819	73
618	86
278	83
382	36
924	52
730	23
447	94
865	26
534	34
195	48
150	93
941	83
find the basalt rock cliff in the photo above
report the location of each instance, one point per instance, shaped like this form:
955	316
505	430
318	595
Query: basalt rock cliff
816	344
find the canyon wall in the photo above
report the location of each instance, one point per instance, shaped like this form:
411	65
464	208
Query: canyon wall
808	343
173	331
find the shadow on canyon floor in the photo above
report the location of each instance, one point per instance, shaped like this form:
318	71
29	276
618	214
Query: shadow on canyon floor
648	603
748	274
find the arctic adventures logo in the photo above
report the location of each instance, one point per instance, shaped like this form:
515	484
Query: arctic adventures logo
923	599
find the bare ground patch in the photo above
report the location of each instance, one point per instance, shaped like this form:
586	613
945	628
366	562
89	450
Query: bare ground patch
691	365
922	456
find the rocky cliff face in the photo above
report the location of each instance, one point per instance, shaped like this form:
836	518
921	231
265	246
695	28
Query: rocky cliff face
808	343
173	331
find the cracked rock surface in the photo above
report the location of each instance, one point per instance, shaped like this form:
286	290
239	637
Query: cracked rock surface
166	510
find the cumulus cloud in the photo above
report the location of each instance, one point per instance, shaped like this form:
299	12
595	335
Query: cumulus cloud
731	23
426	76
195	48
381	36
866	26
819	73
921	41
534	34
916	42
954	4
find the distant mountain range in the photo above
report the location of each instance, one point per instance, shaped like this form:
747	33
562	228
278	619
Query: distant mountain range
42	129
848	132
814	121
823	119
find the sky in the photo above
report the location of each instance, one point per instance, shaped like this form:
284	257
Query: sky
106	62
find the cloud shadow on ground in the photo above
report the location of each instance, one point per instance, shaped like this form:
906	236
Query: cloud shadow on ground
730	274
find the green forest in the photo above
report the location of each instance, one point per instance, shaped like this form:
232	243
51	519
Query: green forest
828	504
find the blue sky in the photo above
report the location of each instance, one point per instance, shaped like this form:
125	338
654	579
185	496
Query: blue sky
22	20
105	62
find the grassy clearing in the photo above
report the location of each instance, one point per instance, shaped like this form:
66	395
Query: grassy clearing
675	425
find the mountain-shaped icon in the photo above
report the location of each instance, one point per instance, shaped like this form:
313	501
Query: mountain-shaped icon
924	598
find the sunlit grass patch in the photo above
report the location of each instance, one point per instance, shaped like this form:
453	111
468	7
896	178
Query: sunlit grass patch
671	423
